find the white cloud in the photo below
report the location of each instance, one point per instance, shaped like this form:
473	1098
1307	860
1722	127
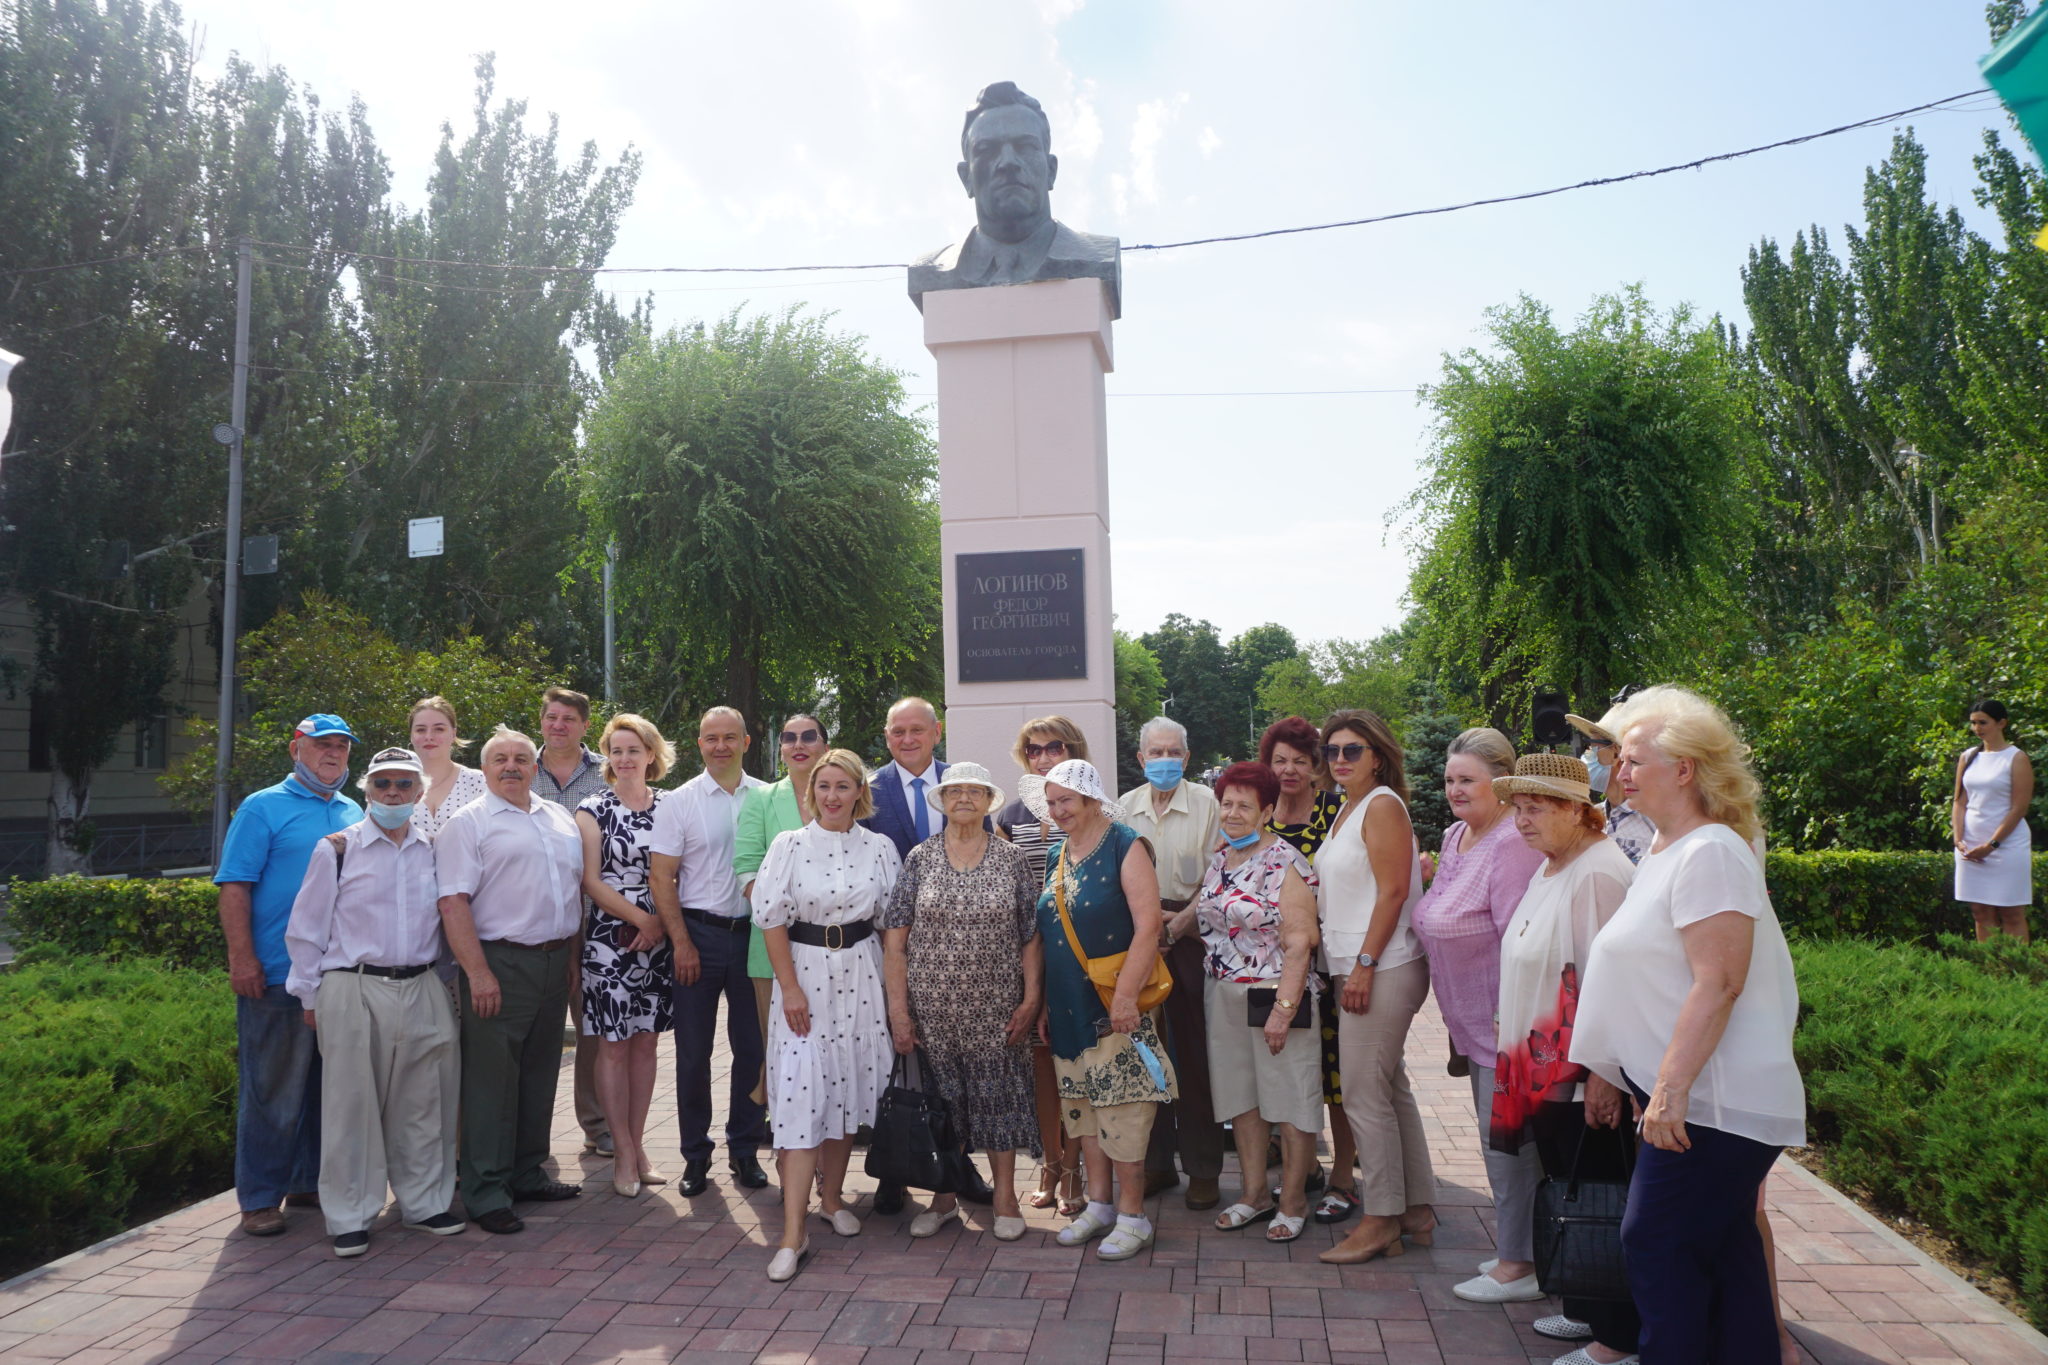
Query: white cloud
1155	117
1208	142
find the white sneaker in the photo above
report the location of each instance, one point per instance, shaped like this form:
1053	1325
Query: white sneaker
1558	1327
1486	1289
1084	1229
1123	1242
1580	1357
929	1222
787	1261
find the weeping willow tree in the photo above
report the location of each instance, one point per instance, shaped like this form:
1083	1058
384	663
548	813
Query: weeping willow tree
1582	505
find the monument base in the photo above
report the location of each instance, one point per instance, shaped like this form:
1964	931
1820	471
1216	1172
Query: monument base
1024	471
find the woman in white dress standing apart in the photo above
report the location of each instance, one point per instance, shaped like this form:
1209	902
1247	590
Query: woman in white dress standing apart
829	1051
1988	820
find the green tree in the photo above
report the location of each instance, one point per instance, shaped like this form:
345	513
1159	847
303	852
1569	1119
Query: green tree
328	656
1335	674
1247	658
1580	504
773	510
1199	693
1140	688
1424	749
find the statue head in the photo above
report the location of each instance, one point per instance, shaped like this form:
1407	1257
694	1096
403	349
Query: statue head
1006	162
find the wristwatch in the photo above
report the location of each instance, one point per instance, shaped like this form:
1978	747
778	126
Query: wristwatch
1287	1005
1367	960
1994	843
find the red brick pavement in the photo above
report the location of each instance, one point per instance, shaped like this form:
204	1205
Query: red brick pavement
661	1278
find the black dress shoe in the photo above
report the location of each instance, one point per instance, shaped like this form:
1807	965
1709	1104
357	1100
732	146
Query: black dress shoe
696	1177
889	1199
548	1192
500	1220
976	1190
746	1169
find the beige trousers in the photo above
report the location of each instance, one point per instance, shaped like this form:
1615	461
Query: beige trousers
390	1068
1393	1151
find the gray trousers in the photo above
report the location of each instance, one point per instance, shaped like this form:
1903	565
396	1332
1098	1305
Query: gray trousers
1514	1178
1386	1123
388	1079
510	1063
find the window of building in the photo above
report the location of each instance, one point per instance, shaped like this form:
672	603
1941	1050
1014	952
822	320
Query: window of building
152	741
38	733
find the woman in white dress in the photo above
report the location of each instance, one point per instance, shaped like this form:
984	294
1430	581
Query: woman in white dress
450	786
1988	822
829	1051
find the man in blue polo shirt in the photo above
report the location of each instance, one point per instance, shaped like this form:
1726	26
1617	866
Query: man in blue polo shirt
262	863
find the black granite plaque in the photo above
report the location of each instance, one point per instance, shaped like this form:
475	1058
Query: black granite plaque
1021	616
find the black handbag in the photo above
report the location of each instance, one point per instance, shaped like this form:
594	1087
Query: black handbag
916	1143
1578	1230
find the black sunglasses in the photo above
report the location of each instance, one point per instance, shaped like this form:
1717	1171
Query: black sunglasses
385	784
1051	746
801	736
1350	753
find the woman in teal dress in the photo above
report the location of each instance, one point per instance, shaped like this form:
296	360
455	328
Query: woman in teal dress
766	812
1112	1069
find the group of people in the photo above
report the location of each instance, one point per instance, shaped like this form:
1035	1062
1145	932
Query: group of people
1104	981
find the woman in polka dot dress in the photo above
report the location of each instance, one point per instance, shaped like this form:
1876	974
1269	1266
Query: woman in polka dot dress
829	1052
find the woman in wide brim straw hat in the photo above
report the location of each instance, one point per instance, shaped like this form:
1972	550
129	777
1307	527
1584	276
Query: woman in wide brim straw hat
1113	1071
1537	1092
965	978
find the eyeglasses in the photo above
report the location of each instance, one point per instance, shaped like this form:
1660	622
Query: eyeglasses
385	784
1350	753
801	736
1051	746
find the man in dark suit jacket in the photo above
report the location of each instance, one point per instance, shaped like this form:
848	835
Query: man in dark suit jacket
906	819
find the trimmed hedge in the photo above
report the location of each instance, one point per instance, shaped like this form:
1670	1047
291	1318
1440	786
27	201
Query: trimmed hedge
117	1094
1924	1078
175	921
1894	897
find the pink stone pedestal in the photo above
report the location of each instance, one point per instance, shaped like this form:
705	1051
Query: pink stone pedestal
1024	465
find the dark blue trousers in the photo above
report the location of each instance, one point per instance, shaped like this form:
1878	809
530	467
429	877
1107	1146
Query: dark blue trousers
1695	1258
722	974
277	1109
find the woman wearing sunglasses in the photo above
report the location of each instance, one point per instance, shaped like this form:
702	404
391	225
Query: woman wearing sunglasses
1042	745
767	812
1369	876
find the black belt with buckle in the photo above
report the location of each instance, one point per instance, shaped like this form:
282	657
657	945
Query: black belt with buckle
389	973
732	924
833	936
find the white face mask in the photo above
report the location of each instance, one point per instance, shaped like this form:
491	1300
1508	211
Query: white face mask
390	817
1599	772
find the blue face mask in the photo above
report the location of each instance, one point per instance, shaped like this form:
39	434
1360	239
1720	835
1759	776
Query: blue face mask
1164	773
1245	842
1598	771
311	780
390	817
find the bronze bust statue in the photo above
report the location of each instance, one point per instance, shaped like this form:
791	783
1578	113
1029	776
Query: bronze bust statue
1008	168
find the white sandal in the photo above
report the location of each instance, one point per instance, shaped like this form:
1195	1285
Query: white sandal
1084	1229
1287	1225
1123	1242
1242	1216
1582	1357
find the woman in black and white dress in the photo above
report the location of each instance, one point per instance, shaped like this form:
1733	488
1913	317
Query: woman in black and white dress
816	899
628	973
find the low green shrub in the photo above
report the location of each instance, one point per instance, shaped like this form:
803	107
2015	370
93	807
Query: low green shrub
117	1091
175	921
1924	1081
1894	897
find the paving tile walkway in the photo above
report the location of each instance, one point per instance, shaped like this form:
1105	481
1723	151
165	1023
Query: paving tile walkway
661	1278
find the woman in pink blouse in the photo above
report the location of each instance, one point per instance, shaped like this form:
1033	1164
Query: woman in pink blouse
1480	877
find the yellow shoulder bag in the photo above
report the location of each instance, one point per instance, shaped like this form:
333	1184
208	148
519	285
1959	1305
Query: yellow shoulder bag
1104	971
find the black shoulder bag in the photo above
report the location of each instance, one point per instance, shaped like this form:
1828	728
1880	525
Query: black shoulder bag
1578	1229
916	1143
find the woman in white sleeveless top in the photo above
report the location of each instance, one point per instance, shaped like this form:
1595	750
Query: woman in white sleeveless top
1370	876
1988	819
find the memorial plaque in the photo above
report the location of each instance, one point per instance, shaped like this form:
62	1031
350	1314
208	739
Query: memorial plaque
1021	616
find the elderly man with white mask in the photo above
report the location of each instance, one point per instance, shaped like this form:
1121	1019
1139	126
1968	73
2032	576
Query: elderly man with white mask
364	934
510	867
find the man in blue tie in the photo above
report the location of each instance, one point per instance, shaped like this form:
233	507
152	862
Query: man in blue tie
904	817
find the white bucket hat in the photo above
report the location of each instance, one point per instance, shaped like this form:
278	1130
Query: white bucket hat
962	775
1076	774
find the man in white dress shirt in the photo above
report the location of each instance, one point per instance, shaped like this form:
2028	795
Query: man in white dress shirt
363	936
510	867
698	899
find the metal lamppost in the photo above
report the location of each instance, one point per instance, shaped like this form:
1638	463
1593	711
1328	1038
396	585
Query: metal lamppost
229	434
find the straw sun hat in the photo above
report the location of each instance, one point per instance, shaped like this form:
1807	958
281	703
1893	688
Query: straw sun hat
1589	729
1556	775
1076	774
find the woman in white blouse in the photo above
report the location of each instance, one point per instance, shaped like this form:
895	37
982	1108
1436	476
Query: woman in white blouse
1689	1004
829	1052
449	785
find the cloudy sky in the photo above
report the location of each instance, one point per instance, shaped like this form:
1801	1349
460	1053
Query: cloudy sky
783	133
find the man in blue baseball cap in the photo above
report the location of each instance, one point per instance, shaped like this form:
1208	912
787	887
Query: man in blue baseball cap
262	863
